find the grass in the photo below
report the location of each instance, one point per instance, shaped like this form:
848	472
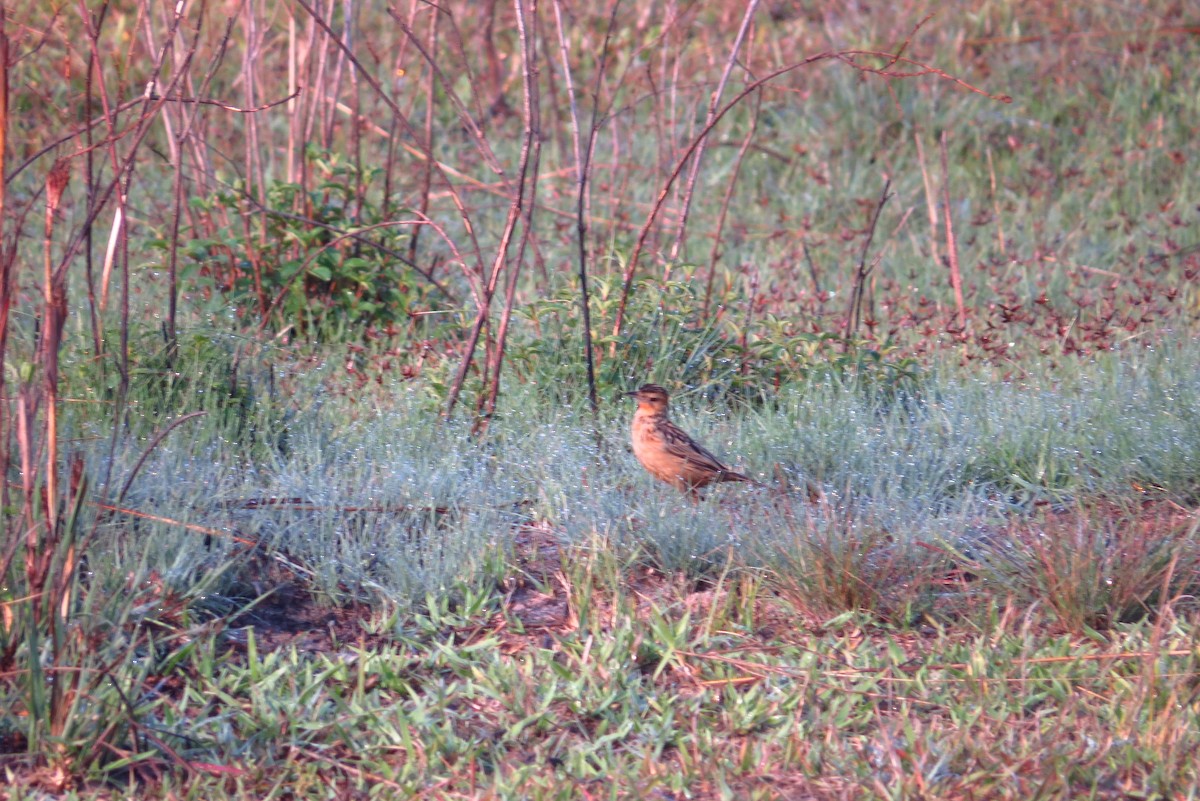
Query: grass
972	572
713	693
528	616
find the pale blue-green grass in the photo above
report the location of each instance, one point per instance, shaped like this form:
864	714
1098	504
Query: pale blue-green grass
380	497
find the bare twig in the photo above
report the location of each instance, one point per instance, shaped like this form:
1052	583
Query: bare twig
812	267
7	261
751	302
583	160
530	159
931	203
186	124
386	99
631	265
854	312
921	69
54	316
464	115
159	437
199	101
430	110
698	156
996	206
209	532
529	151
730	187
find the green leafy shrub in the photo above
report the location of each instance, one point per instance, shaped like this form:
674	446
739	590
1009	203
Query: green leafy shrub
326	258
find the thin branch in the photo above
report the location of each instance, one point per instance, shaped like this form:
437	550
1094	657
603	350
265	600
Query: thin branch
715	253
530	160
643	234
386	99
159	437
430	110
465	117
236	109
583	159
854	312
694	173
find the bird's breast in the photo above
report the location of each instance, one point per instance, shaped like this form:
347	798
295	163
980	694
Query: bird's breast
646	433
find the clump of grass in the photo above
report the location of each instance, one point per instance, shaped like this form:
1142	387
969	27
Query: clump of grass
832	558
1098	565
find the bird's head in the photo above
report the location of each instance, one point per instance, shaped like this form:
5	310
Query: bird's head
651	397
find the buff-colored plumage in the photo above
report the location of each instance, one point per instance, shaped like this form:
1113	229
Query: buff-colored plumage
667	452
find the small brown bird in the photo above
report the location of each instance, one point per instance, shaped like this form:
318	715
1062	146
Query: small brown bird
667	452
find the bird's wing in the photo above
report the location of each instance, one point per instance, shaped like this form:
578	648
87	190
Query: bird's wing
678	443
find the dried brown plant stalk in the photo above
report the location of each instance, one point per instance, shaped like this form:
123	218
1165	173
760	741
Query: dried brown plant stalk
951	244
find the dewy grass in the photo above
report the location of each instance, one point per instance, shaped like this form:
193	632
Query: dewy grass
1095	567
396	500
